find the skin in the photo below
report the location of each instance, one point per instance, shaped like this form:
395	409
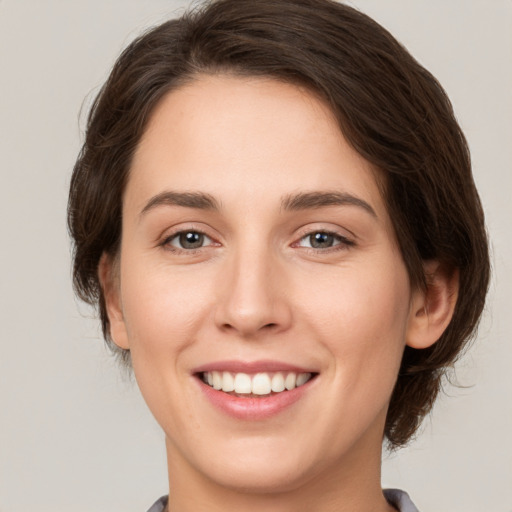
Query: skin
257	290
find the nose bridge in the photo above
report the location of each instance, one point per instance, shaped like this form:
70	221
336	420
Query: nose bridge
252	293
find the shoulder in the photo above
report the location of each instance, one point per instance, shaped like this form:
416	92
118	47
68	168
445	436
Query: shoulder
159	505
400	500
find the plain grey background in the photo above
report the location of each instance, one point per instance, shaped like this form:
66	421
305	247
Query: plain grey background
73	434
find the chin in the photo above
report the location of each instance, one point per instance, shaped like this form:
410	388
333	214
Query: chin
264	477
258	465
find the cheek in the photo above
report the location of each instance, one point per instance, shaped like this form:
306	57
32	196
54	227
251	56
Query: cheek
362	320
162	309
163	313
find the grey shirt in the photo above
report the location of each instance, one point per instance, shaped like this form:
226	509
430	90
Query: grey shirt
399	499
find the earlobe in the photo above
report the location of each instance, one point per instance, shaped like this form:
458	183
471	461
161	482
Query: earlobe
108	274
432	309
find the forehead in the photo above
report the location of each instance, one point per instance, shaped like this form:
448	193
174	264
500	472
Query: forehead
246	137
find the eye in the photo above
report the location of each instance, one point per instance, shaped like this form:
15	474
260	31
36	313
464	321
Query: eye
323	240
188	240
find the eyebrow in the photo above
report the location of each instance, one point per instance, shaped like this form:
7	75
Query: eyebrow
197	200
291	202
311	200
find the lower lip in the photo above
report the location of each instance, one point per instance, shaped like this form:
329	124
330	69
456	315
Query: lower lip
254	409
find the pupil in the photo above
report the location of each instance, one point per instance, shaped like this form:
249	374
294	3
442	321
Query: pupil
191	240
321	240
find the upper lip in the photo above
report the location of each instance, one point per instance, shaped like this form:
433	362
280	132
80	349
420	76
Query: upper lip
250	367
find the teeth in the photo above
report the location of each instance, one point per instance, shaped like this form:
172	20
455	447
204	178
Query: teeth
257	384
243	383
290	381
302	378
217	380
261	384
228	382
278	383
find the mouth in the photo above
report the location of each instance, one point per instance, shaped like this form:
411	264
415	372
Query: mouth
256	390
255	385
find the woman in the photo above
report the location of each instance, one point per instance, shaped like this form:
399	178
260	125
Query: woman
274	211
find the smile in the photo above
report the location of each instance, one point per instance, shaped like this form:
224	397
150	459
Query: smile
257	390
259	384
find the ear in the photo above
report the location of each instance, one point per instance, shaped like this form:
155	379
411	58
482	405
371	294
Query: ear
432	308
108	274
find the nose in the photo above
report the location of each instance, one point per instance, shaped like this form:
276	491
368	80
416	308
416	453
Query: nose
254	295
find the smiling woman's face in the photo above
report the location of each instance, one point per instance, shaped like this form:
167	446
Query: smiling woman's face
255	241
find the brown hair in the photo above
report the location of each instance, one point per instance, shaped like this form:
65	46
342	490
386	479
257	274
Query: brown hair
390	109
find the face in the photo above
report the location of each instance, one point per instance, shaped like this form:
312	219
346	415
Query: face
257	255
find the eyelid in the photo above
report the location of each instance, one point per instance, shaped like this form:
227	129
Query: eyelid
170	234
340	238
344	241
176	236
320	227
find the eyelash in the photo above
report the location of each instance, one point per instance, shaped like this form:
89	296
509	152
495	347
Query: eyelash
343	242
176	236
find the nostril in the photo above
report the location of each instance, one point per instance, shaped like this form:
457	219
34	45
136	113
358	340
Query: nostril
228	327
